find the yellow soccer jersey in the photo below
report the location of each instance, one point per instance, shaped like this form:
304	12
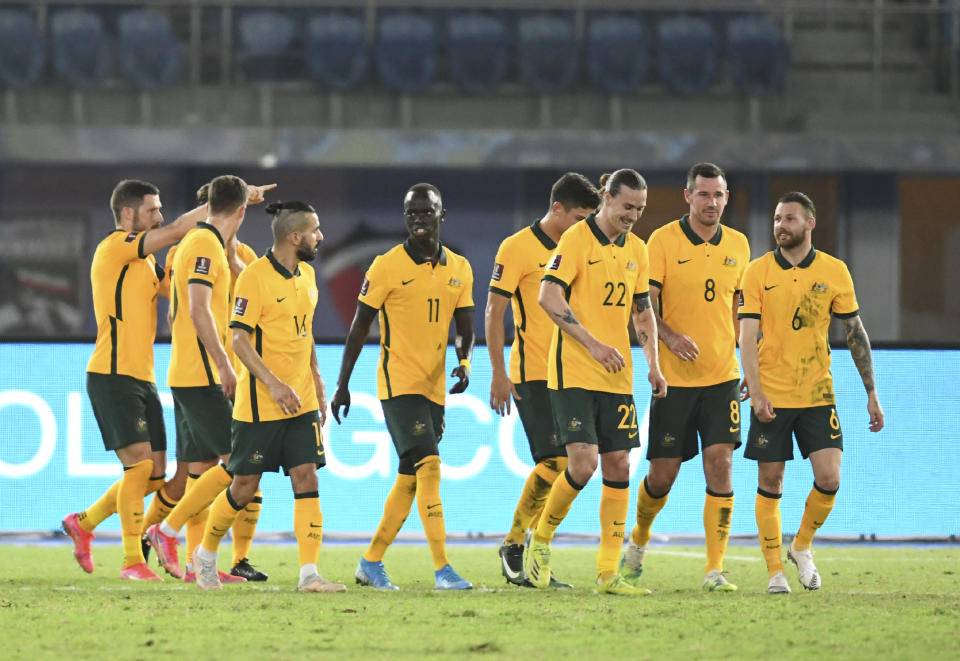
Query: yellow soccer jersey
600	279
794	304
517	271
416	301
125	285
247	256
200	259
698	280
276	308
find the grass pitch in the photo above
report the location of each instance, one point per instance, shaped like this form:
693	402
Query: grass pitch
877	602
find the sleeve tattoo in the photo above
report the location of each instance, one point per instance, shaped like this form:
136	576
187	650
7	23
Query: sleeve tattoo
641	303
859	345
567	316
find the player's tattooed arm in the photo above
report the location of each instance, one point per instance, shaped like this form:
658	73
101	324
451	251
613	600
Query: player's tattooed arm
859	345
641	303
566	315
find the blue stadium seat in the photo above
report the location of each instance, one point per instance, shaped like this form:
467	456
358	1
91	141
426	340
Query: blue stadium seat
406	51
266	46
686	53
82	49
548	52
758	55
478	51
618	52
21	48
148	48
336	49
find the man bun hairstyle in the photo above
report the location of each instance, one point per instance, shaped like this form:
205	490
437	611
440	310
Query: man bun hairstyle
574	191
623	177
130	193
203	194
227	194
288	217
802	199
705	170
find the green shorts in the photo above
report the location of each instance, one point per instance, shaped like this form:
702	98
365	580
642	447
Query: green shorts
203	416
536	414
265	447
605	419
127	410
713	412
412	420
816	428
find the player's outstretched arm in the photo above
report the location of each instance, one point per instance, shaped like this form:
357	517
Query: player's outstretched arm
645	324
256	194
552	300
463	344
283	394
750	360
859	345
167	235
679	344
501	388
359	329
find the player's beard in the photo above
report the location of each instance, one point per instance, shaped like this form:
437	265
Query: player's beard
792	240
305	253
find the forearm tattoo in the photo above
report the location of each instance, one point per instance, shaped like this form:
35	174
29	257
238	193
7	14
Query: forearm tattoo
567	316
859	345
641	303
642	338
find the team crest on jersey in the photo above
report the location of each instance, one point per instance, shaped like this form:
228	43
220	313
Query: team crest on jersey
240	306
454	282
365	287
631	266
419	428
202	266
141	425
819	288
497	272
669	440
555	263
575	424
256	457
729	261
762	441
131	237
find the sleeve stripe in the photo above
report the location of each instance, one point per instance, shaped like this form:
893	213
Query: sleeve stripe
198	281
554	279
465	307
656	284
140	252
240	324
368	307
501	292
747	315
846	315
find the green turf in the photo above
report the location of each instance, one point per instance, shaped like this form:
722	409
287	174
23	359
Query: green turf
877	602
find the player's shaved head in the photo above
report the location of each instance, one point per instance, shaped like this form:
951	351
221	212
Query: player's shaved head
289	217
421	192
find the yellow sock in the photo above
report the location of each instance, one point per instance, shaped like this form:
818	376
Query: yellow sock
223	512
204	490
431	509
160	507
562	494
308	526
614	503
534	497
818	507
130	508
244	528
648	506
194	530
767	510
97	513
395	512
717	512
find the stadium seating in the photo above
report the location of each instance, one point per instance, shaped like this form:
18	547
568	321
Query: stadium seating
336	50
148	48
757	54
617	52
266	46
687	53
478	51
548	51
406	51
21	48
82	49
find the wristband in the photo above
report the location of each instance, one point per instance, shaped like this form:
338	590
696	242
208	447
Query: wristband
465	363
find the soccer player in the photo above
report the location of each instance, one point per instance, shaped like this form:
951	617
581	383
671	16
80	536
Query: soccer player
517	271
281	403
200	375
126	281
696	265
789	296
417	288
595	285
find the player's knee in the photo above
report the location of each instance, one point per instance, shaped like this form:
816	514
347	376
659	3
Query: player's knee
582	469
827	483
662	475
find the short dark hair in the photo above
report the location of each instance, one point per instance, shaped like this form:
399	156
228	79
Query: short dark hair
130	193
620	178
801	199
227	194
705	170
574	191
203	194
288	217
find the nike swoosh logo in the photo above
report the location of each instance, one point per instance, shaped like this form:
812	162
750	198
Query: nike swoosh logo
314	525
684	261
765	288
407	282
835	436
430	507
633	435
591	262
281	300
541	266
769	539
619	523
733	429
506	569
